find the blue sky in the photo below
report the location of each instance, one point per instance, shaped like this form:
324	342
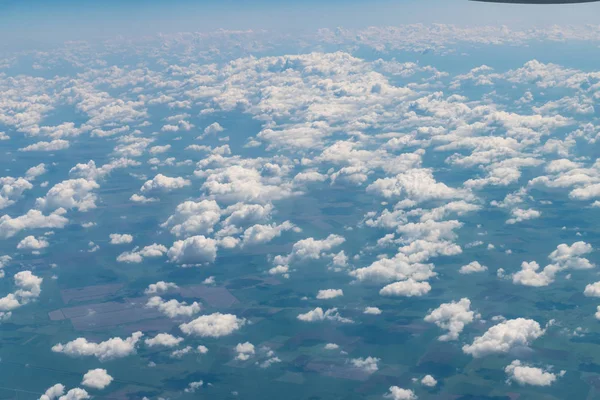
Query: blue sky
43	21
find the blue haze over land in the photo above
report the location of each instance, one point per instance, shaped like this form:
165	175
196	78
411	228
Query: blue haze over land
393	200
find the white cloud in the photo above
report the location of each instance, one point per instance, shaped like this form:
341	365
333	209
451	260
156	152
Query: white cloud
592	290
244	351
310	249
179	353
407	288
369	364
164	183
193	386
193	250
329	294
118	238
173	308
331	346
137	255
159	149
34	219
11	190
372	311
31	243
54	145
110	349
260	234
163	339
72	193
397	393
318	314
213	325
526	375
472	267
137	198
429	381
36	171
520	215
505	337
97	379
452	317
160	287
194	218
75	394
53	392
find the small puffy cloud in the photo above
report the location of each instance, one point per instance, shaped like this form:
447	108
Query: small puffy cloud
331	346
179	353
193	386
58	144
318	314
452	317
193	250
118	238
592	290
570	256
137	198
163	339
407	288
520	215
260	234
75	394
244	351
472	268
97	379
110	349
213	128
53	392
505	337
329	294
11	189
159	149
35	171
160	287
369	364
31	243
429	381
173	308
310	249
397	393
164	183
526	375
529	275
213	325
192	218
137	255
372	311
69	194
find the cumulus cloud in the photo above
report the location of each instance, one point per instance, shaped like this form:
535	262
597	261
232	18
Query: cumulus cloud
368	364
118	238
193	250
260	234
192	218
407	288
110	349
55	145
163	339
137	255
32	243
33	219
244	351
372	311
214	325
160	287
429	381
97	379
318	314
12	189
164	183
453	317
472	268
329	294
173	308
310	249
505	337
397	393
69	194
527	375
